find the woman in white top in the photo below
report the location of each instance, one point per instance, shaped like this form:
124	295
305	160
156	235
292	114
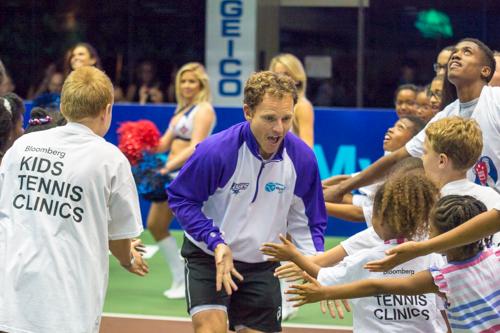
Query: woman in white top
193	121
303	121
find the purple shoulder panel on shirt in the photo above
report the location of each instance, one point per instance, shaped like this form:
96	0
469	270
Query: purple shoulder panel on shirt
308	187
209	168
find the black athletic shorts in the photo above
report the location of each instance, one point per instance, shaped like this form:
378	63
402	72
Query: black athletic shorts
257	302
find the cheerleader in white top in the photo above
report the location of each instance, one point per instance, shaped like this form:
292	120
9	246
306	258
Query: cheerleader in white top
401	211
193	121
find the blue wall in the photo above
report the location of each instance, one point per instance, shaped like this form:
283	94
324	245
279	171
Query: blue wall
347	140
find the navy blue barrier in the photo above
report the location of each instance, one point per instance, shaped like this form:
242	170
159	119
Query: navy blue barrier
347	140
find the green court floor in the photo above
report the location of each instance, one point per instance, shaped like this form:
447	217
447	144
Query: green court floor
132	294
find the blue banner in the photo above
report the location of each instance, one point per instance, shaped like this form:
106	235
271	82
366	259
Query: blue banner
347	140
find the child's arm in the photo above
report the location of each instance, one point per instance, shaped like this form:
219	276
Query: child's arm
129	255
288	252
479	227
345	212
420	283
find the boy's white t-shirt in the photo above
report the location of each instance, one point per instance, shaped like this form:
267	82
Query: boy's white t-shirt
64	193
486	195
388	313
487	114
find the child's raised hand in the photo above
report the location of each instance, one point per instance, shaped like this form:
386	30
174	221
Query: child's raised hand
280	252
289	271
310	292
395	256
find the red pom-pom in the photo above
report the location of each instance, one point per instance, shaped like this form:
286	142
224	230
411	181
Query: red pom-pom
137	137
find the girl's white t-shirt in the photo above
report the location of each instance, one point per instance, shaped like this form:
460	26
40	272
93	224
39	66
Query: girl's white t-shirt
388	313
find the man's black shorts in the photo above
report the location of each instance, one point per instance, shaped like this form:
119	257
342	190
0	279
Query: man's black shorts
257	302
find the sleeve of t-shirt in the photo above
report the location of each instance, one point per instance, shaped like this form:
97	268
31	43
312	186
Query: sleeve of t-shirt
437	260
348	270
125	213
363	240
439	279
368	213
198	179
359	199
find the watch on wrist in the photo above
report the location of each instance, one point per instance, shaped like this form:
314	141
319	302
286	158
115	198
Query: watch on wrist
130	264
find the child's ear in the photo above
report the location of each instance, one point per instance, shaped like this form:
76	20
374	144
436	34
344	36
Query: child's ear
485	71
443	160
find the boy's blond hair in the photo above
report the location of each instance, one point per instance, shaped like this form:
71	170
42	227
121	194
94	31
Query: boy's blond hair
460	139
85	93
267	82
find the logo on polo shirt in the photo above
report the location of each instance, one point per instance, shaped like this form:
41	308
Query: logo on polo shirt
238	187
273	186
486	172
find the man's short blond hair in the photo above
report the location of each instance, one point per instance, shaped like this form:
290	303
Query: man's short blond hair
460	139
85	93
267	82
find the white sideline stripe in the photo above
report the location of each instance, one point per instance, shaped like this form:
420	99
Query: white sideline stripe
186	319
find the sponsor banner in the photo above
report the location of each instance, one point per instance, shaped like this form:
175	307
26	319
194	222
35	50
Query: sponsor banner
230	48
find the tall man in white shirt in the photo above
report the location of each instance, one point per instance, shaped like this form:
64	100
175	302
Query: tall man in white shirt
470	68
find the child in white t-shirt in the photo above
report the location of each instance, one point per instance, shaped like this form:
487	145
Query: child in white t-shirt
67	198
470	281
401	211
358	207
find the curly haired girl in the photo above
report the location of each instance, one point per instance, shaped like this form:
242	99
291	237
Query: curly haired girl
401	211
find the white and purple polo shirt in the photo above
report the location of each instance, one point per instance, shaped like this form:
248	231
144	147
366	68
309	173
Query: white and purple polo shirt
226	193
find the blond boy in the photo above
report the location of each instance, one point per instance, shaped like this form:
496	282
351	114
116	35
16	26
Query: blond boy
451	147
67	197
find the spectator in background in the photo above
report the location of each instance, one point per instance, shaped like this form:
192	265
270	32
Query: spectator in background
50	97
435	94
5	125
405	100
408	72
423	102
303	120
146	88
51	83
15	105
7	86
82	54
495	81
2	72
171	86
442	60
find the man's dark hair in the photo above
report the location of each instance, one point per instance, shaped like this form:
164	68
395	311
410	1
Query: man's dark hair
489	58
